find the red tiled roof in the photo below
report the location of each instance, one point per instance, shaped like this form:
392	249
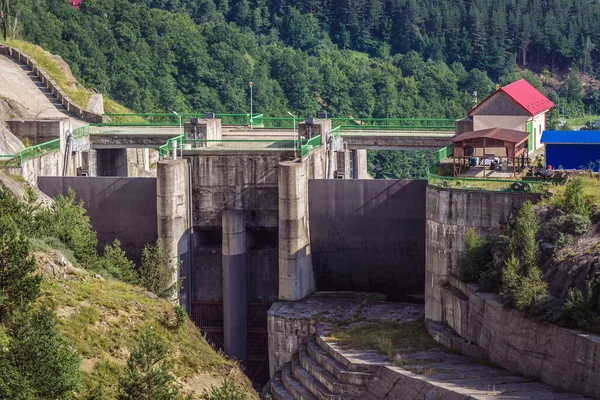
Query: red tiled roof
507	135
524	95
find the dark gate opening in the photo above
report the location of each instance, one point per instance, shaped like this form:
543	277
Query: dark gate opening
208	317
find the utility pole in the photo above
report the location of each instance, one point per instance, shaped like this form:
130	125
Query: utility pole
251	121
295	136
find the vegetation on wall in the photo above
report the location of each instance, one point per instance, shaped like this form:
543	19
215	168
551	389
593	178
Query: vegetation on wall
540	243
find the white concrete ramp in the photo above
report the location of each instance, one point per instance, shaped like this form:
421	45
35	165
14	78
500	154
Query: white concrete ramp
19	83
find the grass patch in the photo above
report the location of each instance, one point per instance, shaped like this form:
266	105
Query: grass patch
591	191
387	337
102	318
577	121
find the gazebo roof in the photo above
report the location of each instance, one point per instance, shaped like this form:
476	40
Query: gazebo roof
506	135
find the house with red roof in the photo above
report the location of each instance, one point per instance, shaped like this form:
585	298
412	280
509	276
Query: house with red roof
518	106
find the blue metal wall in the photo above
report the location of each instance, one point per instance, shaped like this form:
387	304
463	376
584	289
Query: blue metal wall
572	156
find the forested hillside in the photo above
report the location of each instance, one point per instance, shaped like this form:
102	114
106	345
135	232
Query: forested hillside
362	58
401	58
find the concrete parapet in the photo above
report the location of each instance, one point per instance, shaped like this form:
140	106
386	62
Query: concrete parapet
172	209
207	129
235	285
296	276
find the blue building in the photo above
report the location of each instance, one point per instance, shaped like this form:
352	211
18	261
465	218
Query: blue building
572	149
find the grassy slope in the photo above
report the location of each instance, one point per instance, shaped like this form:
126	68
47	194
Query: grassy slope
76	91
102	318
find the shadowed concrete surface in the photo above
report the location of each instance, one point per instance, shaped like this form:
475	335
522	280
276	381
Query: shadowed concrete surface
119	208
368	235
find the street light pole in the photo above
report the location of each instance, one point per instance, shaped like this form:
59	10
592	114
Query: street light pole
295	136
251	121
180	132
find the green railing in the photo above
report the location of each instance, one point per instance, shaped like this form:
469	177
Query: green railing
312	143
484	184
165	149
398	123
337	131
171	119
16	160
81	131
258	120
396	128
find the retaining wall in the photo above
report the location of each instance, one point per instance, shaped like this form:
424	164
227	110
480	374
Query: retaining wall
450	214
51	85
563	358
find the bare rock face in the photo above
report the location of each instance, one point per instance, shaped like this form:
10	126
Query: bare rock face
96	104
56	266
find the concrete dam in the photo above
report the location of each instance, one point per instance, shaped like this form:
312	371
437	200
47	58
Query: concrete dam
268	242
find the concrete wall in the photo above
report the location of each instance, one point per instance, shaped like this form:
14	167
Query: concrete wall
119	208
368	235
450	214
562	358
39	130
49	164
71	107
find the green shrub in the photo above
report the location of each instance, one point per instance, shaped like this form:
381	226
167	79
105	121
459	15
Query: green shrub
511	282
576	224
580	309
114	261
148	373
562	241
18	286
227	391
180	317
66	220
42	355
474	259
156	272
525	229
575	202
533	289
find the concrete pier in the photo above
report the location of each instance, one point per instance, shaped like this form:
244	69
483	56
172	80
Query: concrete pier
173	211
296	276
235	285
359	164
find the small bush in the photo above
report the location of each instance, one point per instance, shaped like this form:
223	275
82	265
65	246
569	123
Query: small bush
66	220
575	202
42	354
180	317
116	264
148	374
525	229
511	282
576	224
580	308
474	259
227	391
156	272
533	289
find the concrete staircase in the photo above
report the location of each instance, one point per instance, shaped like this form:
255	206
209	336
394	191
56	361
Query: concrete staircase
317	372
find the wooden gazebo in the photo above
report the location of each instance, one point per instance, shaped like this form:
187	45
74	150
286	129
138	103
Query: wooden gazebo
505	143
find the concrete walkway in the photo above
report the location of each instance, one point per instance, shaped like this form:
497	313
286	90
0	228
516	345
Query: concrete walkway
19	83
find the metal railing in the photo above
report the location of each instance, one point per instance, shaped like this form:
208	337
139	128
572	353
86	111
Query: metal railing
81	131
312	143
397	123
258	120
16	160
164	119
165	149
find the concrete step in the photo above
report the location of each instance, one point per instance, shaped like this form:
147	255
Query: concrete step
293	386
334	367
327	379
278	391
311	383
369	361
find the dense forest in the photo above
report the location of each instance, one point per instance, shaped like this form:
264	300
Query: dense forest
362	58
401	58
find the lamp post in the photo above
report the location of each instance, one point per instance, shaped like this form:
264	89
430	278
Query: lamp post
251	121
180	132
295	136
